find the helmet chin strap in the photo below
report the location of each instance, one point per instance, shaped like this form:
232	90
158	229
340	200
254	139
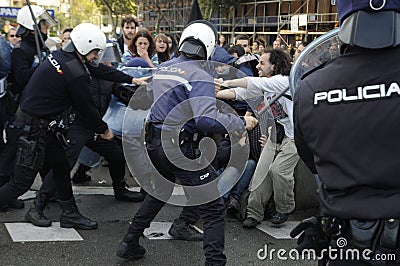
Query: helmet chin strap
93	63
84	59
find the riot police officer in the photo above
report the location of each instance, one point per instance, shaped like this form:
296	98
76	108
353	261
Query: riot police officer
79	136
61	81
356	152
24	60
184	107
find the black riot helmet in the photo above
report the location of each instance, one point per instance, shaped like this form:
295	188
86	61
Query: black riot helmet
370	24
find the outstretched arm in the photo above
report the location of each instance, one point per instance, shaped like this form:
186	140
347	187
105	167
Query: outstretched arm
242	82
227	94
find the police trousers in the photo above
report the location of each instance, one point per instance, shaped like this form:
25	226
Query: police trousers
212	212
35	144
79	136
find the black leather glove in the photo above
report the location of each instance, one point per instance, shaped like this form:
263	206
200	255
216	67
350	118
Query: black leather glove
312	237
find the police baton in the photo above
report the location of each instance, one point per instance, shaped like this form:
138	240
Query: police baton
267	105
38	36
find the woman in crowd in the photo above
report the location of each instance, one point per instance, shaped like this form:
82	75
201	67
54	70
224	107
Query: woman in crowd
173	46
162	48
142	45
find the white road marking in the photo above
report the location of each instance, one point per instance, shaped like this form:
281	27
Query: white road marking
27	232
278	231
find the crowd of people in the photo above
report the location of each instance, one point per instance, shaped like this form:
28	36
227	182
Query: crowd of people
136	48
61	101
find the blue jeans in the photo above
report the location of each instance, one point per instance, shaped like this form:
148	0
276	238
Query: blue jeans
231	184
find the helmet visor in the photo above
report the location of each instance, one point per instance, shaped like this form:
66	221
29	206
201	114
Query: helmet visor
94	57
111	54
46	16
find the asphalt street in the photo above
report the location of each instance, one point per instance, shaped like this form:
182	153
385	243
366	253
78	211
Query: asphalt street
98	247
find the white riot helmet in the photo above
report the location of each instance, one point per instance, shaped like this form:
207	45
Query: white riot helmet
85	38
199	39
24	18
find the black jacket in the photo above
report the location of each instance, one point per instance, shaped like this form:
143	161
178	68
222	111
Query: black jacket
62	81
347	128
120	42
24	60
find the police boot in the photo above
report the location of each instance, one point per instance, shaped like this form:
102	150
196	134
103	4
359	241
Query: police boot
130	248
123	194
35	214
71	218
184	231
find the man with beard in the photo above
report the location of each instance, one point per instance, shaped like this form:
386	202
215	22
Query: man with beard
128	26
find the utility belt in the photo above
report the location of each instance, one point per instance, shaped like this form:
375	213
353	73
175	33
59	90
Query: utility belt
32	139
176	136
31	120
58	124
378	236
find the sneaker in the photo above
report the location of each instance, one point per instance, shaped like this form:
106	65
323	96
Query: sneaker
250	223
80	178
123	194
232	206
183	231
279	218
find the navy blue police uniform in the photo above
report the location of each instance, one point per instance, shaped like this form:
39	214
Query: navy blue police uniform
79	136
24	61
61	81
355	153
185	107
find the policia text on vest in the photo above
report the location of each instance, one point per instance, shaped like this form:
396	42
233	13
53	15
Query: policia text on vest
358	94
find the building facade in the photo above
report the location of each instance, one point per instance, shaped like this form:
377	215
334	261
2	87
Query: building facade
292	20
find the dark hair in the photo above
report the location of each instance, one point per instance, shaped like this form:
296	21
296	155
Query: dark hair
129	20
174	48
141	33
164	56
67	30
242	37
304	43
281	60
239	50
261	41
